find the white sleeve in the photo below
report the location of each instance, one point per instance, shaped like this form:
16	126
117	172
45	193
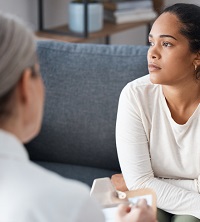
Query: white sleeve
190	185
135	161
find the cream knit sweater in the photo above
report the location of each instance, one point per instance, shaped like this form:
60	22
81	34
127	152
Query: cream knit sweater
156	152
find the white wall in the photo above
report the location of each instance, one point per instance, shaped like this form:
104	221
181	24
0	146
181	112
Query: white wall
56	14
26	9
55	11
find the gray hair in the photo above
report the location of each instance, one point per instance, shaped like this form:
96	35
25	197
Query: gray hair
17	51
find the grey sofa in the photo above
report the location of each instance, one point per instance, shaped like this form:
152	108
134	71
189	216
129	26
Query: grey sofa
83	83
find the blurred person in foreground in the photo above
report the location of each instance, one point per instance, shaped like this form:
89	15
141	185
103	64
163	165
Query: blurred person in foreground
28	192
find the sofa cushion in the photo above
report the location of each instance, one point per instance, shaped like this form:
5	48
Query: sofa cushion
76	172
83	83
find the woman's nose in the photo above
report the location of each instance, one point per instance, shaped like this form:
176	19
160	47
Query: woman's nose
153	54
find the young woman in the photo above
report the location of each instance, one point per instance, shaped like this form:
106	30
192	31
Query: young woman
29	193
158	121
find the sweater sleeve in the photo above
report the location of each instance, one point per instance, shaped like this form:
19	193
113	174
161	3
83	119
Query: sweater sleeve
135	161
190	185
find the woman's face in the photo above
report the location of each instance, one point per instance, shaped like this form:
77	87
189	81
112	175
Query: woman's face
170	60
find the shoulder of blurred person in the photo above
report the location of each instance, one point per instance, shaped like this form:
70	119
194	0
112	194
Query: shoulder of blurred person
31	193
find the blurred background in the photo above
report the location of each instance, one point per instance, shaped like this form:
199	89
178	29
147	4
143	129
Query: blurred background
56	13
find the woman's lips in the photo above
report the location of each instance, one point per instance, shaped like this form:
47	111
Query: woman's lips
153	67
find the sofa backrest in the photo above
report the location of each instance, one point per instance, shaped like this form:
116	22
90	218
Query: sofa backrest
83	83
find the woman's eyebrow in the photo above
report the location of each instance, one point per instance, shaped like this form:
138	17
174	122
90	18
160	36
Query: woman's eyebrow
164	36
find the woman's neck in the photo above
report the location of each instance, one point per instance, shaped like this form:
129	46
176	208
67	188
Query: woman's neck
182	100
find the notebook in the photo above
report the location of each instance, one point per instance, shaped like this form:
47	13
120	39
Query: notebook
109	198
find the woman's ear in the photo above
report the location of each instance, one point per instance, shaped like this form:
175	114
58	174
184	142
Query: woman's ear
24	87
197	60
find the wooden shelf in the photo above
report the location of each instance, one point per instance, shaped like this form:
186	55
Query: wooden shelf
108	29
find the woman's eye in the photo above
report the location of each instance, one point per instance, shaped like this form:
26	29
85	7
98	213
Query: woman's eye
151	43
167	44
